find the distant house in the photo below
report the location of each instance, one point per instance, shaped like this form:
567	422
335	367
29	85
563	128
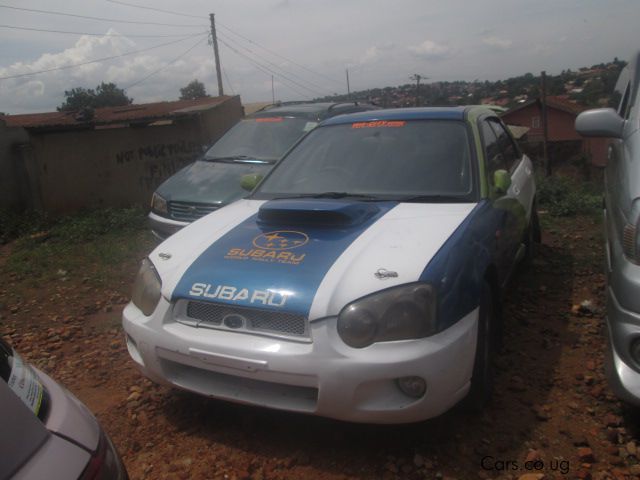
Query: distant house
561	116
113	156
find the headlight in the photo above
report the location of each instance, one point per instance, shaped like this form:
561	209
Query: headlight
159	204
146	288
399	313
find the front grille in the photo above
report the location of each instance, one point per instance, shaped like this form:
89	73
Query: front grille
189	212
214	315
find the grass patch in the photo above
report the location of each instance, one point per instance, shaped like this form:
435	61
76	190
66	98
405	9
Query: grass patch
563	196
91	246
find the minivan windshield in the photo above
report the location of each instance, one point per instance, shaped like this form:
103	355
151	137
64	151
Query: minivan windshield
259	138
423	160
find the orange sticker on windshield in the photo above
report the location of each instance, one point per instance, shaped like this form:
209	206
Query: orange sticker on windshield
379	123
269	119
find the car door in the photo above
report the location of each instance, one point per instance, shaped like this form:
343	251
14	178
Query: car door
514	204
617	192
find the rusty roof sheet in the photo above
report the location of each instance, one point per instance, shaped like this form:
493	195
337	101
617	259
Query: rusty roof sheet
133	113
559	102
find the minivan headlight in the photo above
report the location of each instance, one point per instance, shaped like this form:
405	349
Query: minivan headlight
399	313
159	204
146	288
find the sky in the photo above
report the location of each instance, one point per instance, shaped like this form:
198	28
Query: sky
306	45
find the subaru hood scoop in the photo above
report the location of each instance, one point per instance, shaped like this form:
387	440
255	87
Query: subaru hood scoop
337	213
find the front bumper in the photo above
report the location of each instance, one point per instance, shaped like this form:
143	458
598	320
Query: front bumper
163	227
324	377
622	327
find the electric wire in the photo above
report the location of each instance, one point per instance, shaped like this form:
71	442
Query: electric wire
273	72
274	65
263	70
97	60
14	27
235	33
137	82
154	9
278	55
224	72
102	19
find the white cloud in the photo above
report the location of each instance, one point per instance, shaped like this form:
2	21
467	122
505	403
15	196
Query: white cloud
46	91
431	50
497	42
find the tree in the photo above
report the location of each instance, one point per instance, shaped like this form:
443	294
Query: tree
105	95
194	90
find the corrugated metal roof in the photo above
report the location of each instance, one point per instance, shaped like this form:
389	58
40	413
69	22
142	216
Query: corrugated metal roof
557	102
133	113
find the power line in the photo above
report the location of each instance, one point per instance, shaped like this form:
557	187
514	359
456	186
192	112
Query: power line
273	64
233	32
97	60
14	27
154	9
259	67
278	55
49	12
273	71
167	65
224	72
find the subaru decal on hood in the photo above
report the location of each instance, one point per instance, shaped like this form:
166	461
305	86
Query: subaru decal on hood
275	266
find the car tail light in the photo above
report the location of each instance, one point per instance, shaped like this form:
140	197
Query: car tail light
97	461
105	464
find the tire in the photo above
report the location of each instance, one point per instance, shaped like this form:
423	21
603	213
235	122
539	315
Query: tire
482	377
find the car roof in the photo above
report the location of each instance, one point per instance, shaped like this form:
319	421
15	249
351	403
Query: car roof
311	110
424	113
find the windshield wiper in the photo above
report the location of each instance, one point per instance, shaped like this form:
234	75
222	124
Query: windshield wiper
434	199
360	196
240	159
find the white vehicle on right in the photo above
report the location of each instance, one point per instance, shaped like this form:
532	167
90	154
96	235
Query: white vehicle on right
622	224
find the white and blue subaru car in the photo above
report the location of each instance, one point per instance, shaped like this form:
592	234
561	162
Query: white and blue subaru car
360	280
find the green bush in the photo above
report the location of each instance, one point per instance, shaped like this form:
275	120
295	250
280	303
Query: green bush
564	196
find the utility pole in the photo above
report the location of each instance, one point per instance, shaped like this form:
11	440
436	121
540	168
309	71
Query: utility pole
417	77
348	87
214	39
545	130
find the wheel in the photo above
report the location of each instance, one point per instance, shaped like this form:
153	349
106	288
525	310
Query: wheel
482	377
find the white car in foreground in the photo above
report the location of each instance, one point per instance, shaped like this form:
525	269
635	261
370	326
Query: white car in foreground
359	281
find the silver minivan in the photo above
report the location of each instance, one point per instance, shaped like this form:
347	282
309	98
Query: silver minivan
622	228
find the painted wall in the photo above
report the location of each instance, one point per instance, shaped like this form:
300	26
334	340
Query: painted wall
121	166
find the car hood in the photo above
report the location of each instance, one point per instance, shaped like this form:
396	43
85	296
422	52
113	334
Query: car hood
209	182
310	257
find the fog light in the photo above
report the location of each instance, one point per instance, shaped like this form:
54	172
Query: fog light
634	350
412	386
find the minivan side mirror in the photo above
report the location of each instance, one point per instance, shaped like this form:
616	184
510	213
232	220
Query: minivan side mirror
600	122
249	181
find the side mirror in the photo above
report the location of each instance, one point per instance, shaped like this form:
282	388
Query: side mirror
600	122
501	181
249	181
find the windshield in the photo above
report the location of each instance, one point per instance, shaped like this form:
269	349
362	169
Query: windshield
412	160
260	138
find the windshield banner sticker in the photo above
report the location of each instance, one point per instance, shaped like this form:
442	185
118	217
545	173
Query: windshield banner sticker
269	119
379	123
